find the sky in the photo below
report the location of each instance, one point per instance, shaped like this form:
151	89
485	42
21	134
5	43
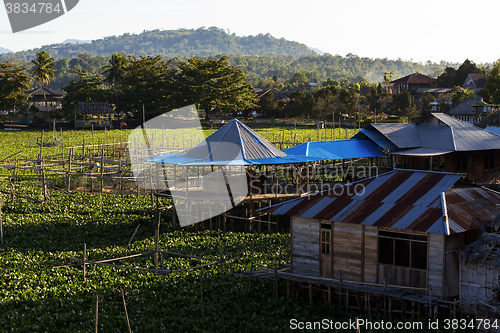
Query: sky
421	30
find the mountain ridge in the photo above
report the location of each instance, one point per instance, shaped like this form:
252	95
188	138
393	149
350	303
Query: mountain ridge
174	43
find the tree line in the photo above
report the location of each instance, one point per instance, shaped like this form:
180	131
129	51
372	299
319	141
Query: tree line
277	72
130	84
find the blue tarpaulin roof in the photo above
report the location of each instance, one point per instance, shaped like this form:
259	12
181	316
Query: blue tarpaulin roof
337	150
180	159
234	144
494	130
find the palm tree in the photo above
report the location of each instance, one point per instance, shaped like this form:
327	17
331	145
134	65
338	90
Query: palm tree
115	71
44	70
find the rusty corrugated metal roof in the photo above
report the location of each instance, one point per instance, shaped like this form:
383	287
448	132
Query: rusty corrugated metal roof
400	199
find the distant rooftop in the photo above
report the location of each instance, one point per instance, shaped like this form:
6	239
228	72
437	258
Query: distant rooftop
415	78
438	134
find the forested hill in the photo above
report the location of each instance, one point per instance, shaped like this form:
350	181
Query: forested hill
172	43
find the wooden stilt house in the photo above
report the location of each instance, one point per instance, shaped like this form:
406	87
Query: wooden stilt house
440	143
399	229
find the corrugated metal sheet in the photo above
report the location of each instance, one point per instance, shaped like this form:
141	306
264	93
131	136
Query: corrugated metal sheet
440	133
251	144
402	135
436	137
471	207
376	137
466	107
337	150
92	107
401	199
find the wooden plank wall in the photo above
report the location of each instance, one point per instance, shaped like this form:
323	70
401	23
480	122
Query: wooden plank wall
347	251
305	245
478	280
436	252
371	257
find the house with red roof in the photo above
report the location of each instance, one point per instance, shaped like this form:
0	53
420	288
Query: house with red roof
411	83
475	82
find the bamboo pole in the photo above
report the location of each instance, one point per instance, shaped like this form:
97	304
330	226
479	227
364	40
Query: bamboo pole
96	312
84	259
157	234
126	312
183	255
275	278
131	238
1	223
163	278
102	171
201	292
69	168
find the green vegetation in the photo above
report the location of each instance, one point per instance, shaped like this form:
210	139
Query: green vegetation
37	297
14	82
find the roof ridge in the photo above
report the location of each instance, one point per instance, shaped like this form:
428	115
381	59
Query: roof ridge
243	152
453	138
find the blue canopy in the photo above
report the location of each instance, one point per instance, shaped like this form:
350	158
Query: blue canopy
180	159
234	144
337	150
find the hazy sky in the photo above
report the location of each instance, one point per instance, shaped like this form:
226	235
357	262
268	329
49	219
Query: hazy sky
420	30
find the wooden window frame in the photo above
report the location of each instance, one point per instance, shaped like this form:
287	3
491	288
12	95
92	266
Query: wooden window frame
407	237
326	242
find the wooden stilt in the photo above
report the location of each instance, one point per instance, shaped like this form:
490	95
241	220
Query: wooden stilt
1	223
96	312
126	312
84	259
390	308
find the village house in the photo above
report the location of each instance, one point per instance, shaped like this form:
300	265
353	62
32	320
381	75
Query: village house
468	111
46	99
411	83
440	143
94	114
402	229
475	82
473	110
405	229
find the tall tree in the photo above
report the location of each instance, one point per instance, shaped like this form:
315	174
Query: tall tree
149	82
491	91
14	81
44	69
89	88
114	72
215	85
455	77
